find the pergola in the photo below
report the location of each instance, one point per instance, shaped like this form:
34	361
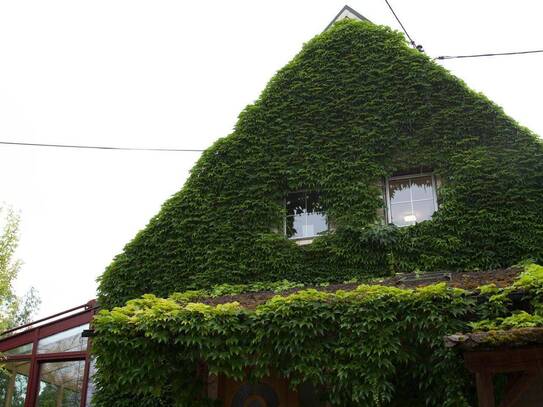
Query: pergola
516	353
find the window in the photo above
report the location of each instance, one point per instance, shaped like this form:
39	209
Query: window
305	215
48	364
20	350
13	383
411	199
61	383
65	341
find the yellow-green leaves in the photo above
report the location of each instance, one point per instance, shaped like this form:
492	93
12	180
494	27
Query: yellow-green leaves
520	319
367	346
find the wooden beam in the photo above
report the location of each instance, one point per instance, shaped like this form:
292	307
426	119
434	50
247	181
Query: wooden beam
505	360
517	388
485	389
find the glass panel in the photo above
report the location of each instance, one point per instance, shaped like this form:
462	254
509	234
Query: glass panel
399	190
412	200
66	341
13	383
20	350
402	215
295	226
61	384
422	188
296	204
314	202
90	383
423	210
316	223
305	215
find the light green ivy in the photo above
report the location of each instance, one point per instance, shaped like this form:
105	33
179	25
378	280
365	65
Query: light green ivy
370	346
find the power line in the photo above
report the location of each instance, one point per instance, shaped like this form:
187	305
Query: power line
183	150
413	43
489	55
443	57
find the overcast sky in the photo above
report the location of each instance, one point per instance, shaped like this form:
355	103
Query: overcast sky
176	74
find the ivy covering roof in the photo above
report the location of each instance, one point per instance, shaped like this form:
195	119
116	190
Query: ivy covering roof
250	296
365	344
356	105
515	337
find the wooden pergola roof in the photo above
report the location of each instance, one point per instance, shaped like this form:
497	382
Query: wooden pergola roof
518	353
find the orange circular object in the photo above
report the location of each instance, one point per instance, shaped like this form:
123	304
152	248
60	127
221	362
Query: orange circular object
249	402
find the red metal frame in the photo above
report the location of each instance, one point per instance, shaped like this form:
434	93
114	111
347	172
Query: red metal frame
49	326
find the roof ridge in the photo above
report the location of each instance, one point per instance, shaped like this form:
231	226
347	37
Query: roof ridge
350	10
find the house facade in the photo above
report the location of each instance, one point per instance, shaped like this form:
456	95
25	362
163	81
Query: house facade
366	149
362	160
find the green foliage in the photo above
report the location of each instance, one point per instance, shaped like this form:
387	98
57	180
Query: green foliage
520	319
530	282
354	106
275	286
368	346
14	310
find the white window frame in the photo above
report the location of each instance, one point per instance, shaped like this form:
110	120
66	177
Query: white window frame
388	202
302	238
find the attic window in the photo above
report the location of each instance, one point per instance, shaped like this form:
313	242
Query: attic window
411	199
305	215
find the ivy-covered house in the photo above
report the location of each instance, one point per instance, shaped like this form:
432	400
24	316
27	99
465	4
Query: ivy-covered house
271	278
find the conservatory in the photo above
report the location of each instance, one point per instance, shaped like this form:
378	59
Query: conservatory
47	363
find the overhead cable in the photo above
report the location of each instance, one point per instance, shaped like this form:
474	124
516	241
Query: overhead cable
489	55
413	43
88	147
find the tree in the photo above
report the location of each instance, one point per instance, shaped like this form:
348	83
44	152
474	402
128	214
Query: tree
14	310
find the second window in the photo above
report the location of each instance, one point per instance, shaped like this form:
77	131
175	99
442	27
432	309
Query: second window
411	199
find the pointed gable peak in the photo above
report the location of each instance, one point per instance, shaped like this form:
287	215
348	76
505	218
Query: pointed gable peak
347	12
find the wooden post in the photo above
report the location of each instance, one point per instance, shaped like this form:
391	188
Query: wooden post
485	389
60	395
11	388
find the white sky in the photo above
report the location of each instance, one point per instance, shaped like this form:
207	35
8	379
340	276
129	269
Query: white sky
176	74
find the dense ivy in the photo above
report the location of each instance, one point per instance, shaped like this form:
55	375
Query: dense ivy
497	316
357	347
354	106
371	346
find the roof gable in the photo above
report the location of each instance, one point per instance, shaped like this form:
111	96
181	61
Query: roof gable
357	104
349	13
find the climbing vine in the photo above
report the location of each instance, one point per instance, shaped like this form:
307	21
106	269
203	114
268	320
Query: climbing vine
354	106
530	282
369	346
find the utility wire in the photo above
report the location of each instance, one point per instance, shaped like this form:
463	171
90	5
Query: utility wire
420	48
413	43
489	55
183	150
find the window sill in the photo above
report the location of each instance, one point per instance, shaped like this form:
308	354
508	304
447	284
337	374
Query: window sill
303	241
